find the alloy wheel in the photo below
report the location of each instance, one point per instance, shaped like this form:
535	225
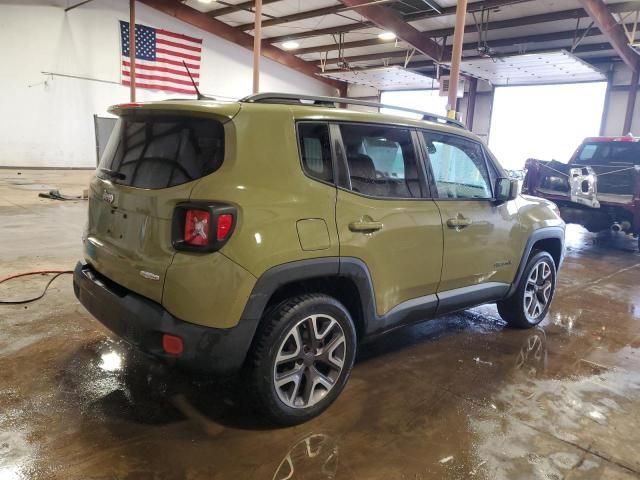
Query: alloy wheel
537	293
309	361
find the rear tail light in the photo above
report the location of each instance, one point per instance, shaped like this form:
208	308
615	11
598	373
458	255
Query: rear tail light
225	222
202	226
196	227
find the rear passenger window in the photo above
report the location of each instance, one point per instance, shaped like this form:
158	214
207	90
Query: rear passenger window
459	167
382	161
315	150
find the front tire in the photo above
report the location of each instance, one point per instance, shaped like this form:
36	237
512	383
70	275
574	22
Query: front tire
302	358
530	303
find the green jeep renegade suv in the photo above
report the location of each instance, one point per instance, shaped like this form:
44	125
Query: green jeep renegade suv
272	235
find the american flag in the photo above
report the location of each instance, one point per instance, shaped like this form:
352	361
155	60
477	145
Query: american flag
159	57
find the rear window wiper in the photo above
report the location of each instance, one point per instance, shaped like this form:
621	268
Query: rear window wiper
113	173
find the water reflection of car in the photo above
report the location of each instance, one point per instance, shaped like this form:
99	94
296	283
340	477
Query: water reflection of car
532	357
313	457
598	188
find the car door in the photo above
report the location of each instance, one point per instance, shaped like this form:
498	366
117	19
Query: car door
385	217
481	237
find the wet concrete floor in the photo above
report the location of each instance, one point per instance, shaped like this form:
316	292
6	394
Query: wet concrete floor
458	397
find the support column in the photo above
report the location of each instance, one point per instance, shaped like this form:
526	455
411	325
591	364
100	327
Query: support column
471	102
343	92
132	49
257	44
631	102
456	57
607	101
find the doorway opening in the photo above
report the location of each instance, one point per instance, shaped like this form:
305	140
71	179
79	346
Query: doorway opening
546	122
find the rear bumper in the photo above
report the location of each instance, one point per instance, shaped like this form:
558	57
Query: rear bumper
142	323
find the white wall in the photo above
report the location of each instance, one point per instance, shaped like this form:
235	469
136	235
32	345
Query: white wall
48	121
614	121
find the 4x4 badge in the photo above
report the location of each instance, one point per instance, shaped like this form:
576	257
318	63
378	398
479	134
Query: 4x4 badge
108	196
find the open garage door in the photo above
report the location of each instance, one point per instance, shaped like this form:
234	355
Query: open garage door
544	121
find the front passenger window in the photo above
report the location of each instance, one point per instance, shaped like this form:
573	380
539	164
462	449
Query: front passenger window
459	167
381	161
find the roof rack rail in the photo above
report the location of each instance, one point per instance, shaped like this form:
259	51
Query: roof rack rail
292	99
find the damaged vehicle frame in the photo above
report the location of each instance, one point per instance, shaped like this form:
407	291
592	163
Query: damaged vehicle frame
599	188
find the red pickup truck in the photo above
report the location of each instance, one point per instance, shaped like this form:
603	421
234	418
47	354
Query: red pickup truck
599	188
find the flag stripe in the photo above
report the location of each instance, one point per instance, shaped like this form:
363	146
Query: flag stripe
146	76
178	45
153	86
183	55
155	68
168	61
179	35
176	51
179	65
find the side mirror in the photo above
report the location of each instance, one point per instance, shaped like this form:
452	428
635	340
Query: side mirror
506	189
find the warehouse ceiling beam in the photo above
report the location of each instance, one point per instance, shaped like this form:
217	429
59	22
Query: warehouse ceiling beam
211	25
246	6
608	25
575	13
503	42
388	19
77	5
447	11
294	17
304	15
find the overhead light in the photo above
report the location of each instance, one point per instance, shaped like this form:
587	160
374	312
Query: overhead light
387	36
206	1
290	45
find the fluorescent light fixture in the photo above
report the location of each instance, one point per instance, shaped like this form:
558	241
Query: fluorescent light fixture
206	1
387	36
290	45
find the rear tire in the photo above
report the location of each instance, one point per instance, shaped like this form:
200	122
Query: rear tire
302	358
530	303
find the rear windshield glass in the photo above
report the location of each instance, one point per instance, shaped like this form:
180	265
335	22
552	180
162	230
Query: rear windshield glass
603	153
162	151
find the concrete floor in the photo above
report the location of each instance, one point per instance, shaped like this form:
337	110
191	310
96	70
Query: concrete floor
459	397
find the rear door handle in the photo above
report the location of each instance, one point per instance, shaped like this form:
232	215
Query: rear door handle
459	222
365	227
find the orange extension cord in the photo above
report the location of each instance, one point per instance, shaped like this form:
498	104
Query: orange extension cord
26	274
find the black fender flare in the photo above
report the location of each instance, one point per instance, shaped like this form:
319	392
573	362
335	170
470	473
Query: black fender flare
544	233
325	267
351	268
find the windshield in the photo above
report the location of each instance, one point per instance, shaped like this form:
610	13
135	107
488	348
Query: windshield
605	153
155	151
